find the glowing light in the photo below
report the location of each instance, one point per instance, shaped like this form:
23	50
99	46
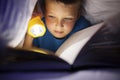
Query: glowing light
36	27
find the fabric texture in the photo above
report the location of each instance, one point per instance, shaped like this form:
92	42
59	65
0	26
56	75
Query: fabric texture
100	10
14	17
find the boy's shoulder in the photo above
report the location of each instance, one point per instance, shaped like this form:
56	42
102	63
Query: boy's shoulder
83	19
82	23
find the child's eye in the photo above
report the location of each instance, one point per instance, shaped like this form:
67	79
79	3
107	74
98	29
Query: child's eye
68	19
51	16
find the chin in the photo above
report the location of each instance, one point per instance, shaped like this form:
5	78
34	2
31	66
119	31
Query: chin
59	37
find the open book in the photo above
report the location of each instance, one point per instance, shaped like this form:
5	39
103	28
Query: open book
64	58
72	47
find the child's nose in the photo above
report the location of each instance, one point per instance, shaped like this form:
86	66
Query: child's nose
59	23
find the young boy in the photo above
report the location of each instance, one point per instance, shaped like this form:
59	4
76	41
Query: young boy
62	18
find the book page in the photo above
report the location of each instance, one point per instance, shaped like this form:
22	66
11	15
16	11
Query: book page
69	50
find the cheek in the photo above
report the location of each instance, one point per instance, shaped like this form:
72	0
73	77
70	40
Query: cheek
69	26
49	23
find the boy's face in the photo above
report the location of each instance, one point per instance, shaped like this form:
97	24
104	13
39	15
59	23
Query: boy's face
60	18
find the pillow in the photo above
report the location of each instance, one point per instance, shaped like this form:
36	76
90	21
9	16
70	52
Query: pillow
100	10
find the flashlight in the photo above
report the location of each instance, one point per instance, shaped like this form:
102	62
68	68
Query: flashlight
36	27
